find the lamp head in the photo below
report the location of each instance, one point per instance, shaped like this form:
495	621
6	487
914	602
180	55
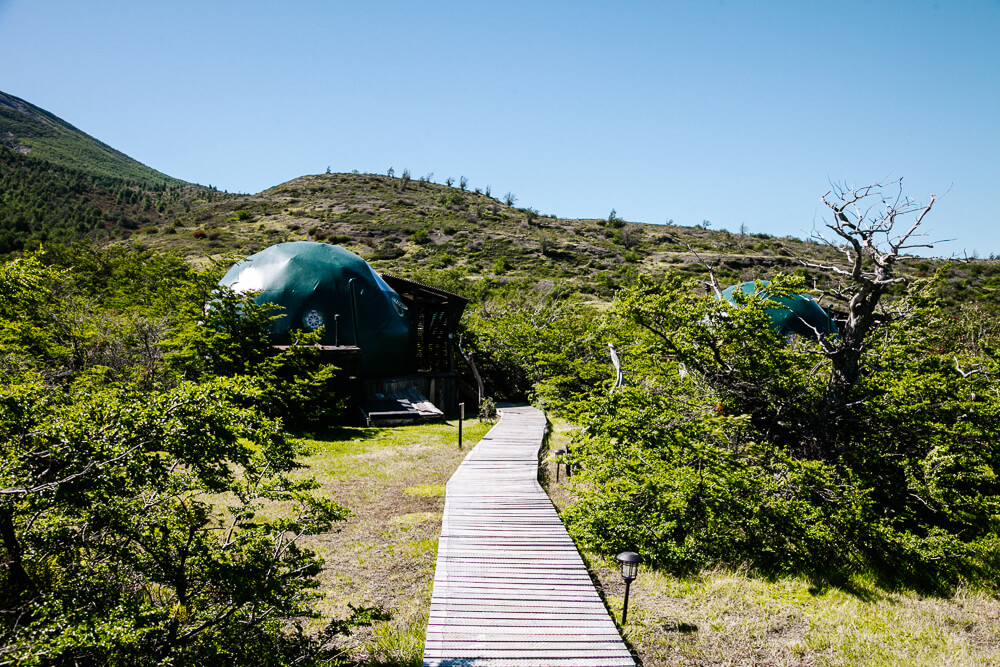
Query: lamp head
630	564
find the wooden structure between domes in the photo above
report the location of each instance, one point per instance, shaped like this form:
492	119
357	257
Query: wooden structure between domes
435	314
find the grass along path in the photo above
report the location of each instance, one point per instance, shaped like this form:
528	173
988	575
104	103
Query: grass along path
726	617
384	555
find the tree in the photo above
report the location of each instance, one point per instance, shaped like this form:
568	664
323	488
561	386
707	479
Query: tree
463	183
631	236
869	451
510	199
865	222
713	452
115	544
231	338
133	521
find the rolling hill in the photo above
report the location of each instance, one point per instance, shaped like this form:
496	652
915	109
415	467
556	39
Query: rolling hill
62	185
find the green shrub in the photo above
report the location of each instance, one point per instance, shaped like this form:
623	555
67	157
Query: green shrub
232	339
118	550
718	452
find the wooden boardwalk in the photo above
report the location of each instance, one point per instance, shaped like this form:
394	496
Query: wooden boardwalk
510	587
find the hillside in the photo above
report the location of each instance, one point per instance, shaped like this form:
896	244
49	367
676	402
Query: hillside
472	241
45	202
402	226
30	130
62	185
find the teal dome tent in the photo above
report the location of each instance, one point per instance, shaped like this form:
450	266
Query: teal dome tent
317	284
793	314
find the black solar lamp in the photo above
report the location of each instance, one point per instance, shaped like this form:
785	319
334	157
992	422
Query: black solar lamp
558	453
630	569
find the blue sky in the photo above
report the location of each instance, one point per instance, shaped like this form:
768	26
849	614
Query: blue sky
727	111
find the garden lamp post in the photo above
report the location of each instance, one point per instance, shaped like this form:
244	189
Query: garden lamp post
630	568
558	453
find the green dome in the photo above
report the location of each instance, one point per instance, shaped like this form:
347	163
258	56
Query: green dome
317	284
794	314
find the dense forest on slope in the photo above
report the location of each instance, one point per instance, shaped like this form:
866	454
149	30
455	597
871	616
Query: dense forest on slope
42	202
31	130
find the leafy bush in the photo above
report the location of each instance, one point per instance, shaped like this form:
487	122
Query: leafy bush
719	452
551	350
130	500
420	237
232	339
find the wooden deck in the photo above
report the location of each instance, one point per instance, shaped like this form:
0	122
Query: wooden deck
510	587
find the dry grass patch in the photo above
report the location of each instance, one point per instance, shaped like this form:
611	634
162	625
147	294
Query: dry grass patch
723	617
384	555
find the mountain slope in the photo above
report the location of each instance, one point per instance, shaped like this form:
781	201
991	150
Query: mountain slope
59	184
42	201
36	132
471	243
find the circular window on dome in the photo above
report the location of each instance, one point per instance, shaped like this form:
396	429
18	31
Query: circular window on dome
313	319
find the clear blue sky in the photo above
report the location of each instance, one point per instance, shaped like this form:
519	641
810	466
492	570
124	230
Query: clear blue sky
728	111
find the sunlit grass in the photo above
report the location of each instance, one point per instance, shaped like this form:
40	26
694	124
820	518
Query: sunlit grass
733	617
426	490
384	554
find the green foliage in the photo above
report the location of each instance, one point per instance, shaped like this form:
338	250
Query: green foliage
420	237
715	453
488	410
232	339
50	202
131	490
551	350
669	482
116	545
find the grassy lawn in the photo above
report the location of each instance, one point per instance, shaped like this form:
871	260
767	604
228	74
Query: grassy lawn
383	556
726	617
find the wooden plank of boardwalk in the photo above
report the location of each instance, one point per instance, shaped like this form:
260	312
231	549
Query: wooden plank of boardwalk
510	587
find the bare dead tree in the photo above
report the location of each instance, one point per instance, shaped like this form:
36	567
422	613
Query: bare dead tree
713	282
873	227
